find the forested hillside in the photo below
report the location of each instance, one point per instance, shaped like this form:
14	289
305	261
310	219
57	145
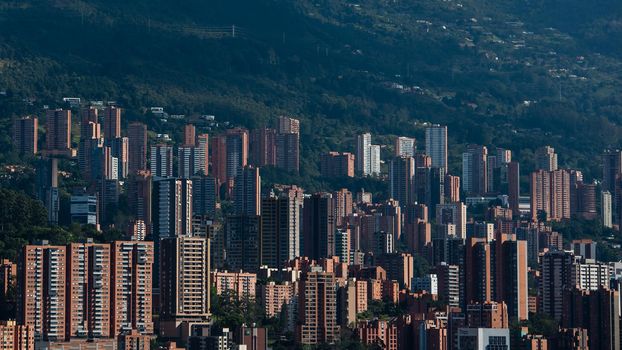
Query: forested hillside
517	74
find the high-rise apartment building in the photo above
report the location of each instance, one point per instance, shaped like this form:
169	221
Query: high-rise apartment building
90	143
378	332
15	336
190	138
374	160
273	297
112	123
247	191
598	311
58	132
589	275
550	195
42	291
83	209
219	158
132	283
172	207
119	149
280	230
612	168
288	151
429	184
161	161
202	153
606	210
405	146
343	205
204	195
436	145
263	147
317	305
483	338
236	151
513	191
454	214
475	170
85	290
511	276
243	239
26	135
363	154
288	125
488	314
546	158
190	161
241	285
318	226
555	272
336	164
89	290
184	280
137	147
399	267
139	196
450	289
401	174
367	156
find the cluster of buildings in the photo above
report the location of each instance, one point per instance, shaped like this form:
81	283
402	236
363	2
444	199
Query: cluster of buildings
317	261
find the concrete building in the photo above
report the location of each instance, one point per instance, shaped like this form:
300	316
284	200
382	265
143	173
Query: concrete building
243	242
555	272
483	339
405	147
58	132
487	315
427	283
606	209
239	284
288	151
84	210
281	220
546	158
287	125
262	147
378	332
112	123
89	290
550	195
318	226
161	161
247	192
137	147
317	305
26	135
42	290
401	176
16	337
236	151
184	280
436	145
139	196
452	213
598	311
475	170
172	207
204	195
132	285
337	165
